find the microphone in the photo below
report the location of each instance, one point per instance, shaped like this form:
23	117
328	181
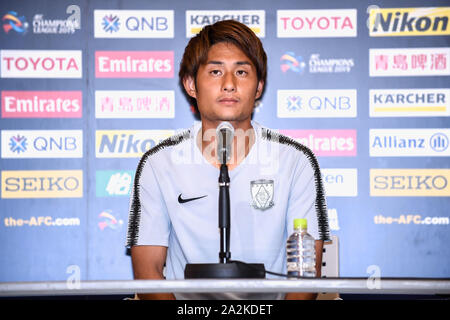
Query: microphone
224	136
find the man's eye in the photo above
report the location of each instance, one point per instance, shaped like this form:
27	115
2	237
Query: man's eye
216	72
242	72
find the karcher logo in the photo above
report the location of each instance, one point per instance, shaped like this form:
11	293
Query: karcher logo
127	143
42	184
409	182
391	22
197	19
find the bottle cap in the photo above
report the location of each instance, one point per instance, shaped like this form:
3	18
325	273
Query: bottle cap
300	223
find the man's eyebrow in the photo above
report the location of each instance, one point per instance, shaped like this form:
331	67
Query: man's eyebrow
240	63
243	63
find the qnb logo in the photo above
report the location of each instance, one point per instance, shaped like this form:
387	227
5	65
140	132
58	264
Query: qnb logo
18	144
42	143
316	103
133	24
147	24
291	62
294	103
12	21
111	23
439	142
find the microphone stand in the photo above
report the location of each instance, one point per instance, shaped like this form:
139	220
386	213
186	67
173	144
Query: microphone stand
224	213
225	268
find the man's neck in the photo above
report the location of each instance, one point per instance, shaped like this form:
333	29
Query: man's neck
243	140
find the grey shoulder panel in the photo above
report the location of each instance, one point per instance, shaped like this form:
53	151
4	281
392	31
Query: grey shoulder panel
135	208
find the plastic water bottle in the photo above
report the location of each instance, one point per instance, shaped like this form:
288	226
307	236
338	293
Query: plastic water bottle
301	251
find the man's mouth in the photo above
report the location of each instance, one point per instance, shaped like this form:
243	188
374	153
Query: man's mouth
228	101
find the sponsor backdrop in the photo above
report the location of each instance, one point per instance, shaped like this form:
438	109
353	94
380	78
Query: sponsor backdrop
88	86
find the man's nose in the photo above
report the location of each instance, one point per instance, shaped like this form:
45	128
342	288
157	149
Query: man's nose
228	83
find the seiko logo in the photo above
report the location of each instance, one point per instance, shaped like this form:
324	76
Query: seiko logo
42	184
409	21
409	182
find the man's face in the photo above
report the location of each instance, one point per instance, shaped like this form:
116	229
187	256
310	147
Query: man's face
226	86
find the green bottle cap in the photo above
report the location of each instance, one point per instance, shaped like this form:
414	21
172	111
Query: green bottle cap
300	223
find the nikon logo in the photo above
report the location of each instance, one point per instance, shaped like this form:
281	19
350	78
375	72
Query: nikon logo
410	182
390	22
127	143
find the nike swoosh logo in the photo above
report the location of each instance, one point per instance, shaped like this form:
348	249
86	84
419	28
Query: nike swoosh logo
181	200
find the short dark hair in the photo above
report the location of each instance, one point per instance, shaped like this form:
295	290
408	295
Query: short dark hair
230	31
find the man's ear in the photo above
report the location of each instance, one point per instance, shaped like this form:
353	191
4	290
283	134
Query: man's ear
189	86
259	89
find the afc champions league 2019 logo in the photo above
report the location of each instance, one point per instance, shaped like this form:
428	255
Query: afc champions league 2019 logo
291	62
12	21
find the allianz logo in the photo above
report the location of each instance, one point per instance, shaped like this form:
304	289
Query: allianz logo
438	142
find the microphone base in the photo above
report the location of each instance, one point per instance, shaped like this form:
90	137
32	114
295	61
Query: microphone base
231	270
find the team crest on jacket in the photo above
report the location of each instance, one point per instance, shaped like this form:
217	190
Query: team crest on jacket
262	194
